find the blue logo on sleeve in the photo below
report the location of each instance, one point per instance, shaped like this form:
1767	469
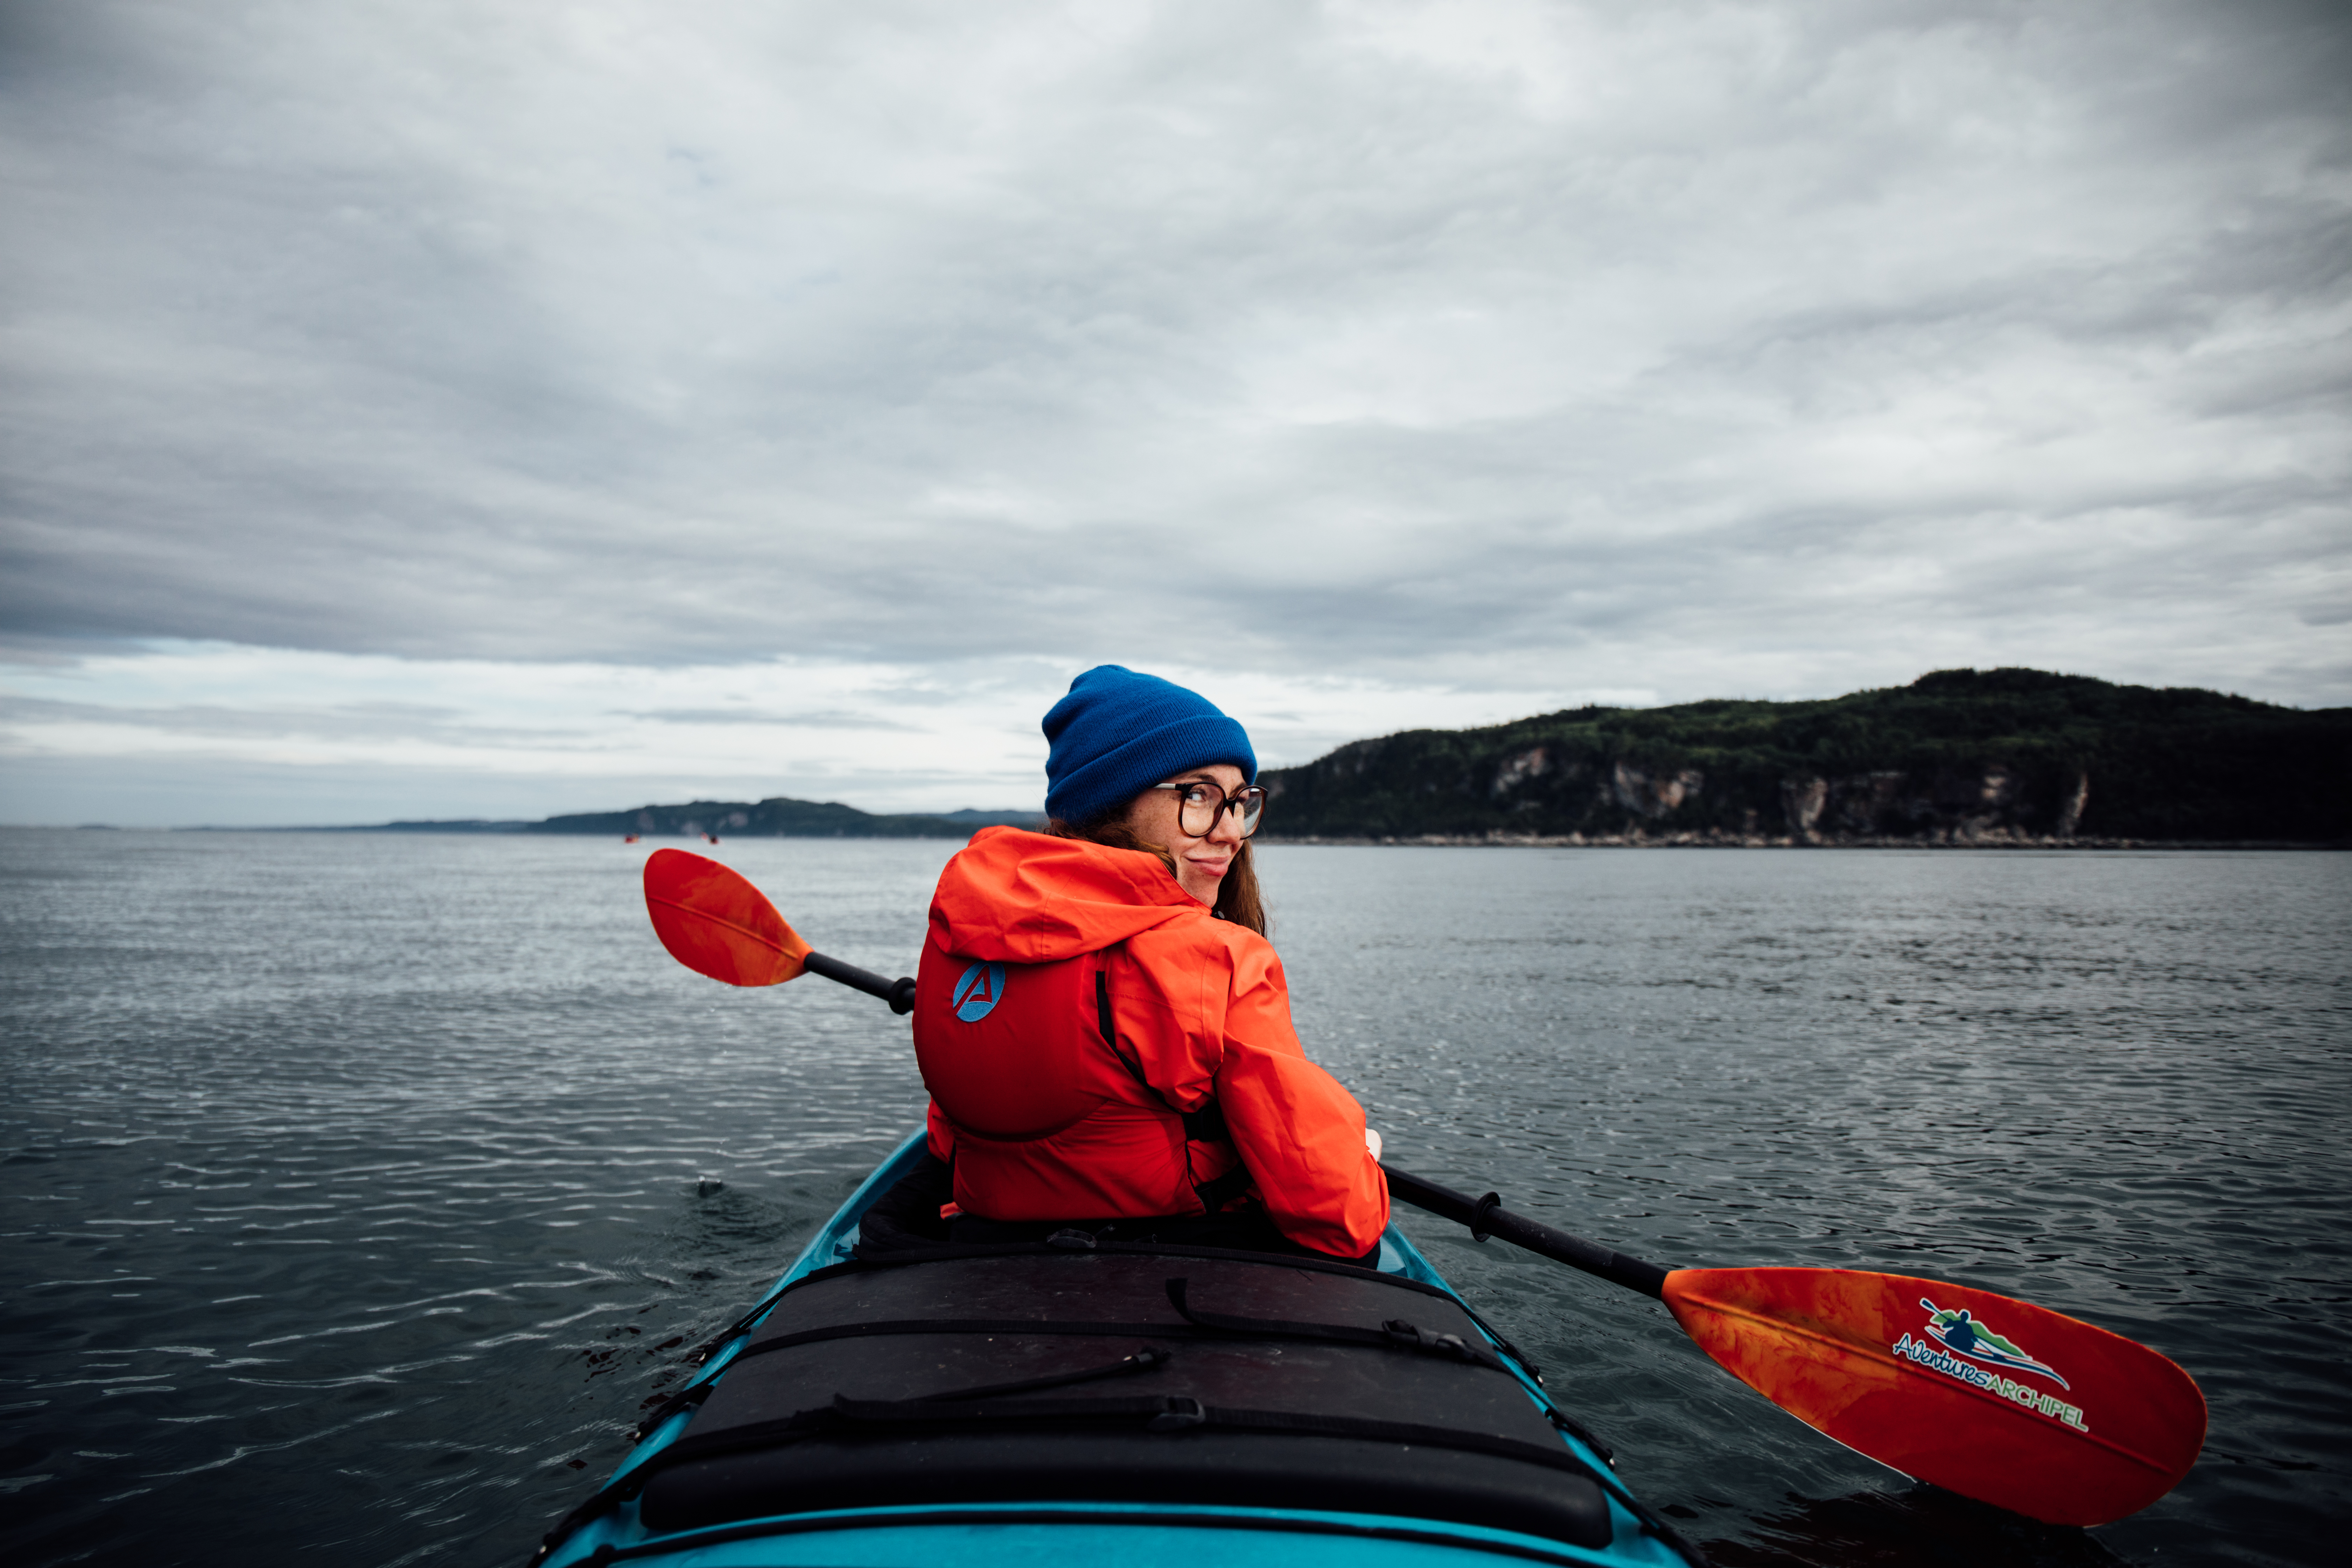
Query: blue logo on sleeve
978	992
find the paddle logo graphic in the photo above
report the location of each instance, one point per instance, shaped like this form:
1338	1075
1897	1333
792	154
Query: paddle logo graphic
1959	1333
978	993
1957	1345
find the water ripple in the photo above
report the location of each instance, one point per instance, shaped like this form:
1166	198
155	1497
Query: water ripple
354	1187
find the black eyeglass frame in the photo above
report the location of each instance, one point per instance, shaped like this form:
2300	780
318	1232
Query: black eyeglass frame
1248	822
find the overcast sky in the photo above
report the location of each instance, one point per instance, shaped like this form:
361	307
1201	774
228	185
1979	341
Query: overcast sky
443	409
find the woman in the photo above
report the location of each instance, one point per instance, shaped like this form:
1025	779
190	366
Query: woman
1103	1026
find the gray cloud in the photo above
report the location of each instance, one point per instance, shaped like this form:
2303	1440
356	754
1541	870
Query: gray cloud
347	721
1534	345
829	720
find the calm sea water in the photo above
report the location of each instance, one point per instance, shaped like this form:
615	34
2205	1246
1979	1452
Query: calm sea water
359	1190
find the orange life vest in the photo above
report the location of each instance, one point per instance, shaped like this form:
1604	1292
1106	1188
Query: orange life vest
1082	1023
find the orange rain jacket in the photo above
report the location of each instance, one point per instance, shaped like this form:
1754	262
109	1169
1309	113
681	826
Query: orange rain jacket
1036	943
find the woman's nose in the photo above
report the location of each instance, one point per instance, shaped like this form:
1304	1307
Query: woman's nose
1228	829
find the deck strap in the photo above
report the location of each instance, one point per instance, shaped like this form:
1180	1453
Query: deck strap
1395	1334
1155	1413
1047	1328
955	1254
1161	1413
1149	1358
1180	1413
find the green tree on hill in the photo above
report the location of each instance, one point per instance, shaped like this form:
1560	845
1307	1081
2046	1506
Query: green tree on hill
1957	755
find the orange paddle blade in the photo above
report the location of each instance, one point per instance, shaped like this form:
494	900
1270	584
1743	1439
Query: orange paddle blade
1998	1400
718	924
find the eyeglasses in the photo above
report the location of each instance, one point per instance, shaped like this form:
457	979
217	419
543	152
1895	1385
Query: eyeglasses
1199	805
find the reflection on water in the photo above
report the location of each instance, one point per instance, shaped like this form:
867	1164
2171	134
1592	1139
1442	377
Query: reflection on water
1899	1528
359	1191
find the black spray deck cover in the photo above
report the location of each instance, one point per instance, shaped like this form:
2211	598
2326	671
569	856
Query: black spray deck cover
1122	1373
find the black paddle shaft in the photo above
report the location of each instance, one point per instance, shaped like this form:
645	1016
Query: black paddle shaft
1486	1216
899	993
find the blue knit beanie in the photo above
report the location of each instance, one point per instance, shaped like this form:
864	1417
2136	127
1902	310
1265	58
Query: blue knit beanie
1117	733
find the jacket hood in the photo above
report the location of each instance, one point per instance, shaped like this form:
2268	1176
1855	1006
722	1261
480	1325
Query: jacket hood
1024	897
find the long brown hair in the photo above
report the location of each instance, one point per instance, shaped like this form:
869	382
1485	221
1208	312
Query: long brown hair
1238	898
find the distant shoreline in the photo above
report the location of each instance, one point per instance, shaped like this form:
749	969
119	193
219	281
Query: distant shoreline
1401	841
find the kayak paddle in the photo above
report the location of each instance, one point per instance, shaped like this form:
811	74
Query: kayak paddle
1995	1399
1992	1398
718	924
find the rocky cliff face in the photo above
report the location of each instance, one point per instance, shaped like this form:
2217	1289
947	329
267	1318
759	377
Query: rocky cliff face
1990	803
1958	757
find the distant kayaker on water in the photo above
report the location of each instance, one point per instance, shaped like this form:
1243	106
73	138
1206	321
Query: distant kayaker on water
1103	1026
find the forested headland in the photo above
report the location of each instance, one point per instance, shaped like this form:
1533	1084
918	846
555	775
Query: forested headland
779	816
1959	756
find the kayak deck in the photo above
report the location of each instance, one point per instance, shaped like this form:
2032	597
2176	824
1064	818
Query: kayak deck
957	1404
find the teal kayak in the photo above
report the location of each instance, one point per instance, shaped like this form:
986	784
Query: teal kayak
1092	1403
